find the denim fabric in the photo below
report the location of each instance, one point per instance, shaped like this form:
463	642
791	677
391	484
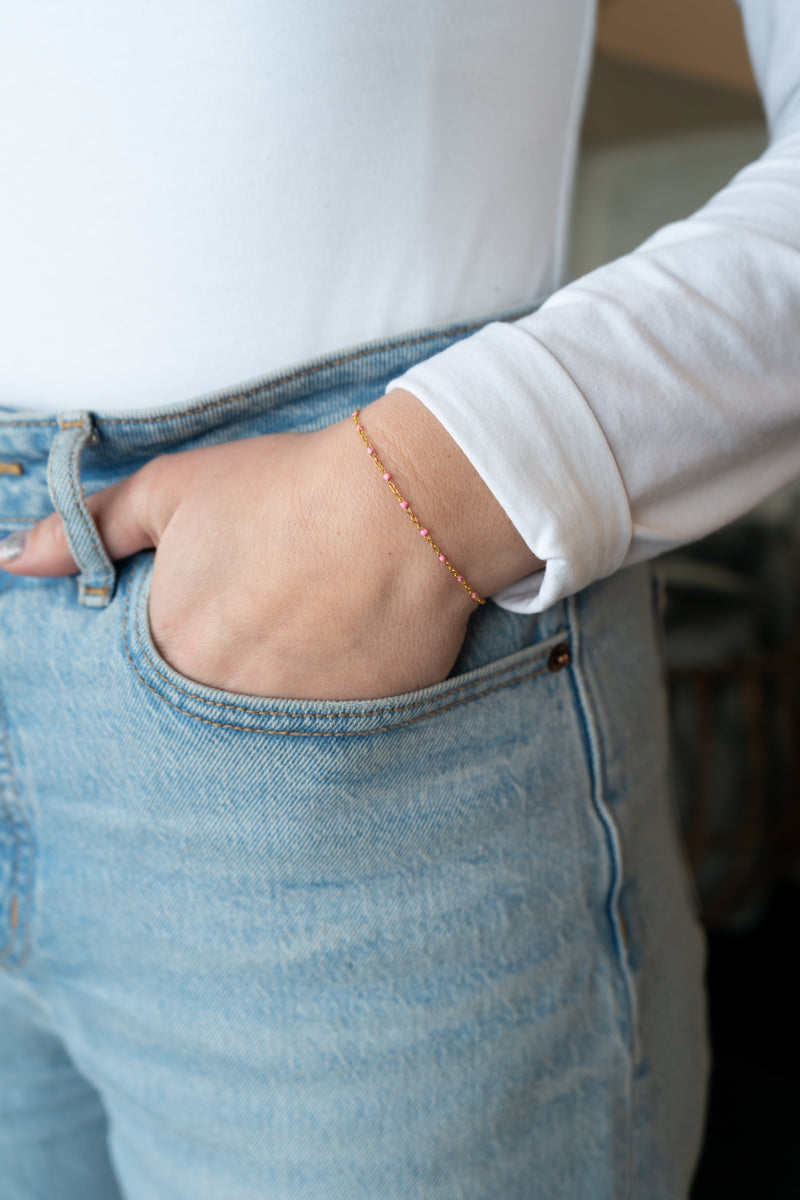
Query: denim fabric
95	583
437	945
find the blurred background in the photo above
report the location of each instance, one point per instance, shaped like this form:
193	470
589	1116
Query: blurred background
672	114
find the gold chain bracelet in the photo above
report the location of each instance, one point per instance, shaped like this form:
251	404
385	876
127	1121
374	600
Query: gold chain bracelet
424	532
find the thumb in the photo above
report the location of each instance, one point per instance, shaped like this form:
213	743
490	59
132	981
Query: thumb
129	516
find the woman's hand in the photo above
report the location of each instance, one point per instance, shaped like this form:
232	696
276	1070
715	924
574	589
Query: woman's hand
284	566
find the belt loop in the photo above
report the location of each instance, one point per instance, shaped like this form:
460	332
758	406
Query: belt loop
97	577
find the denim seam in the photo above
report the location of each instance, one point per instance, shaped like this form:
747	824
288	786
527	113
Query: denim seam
597	756
302	716
339	733
8	950
270	384
44	423
536	652
83	514
18	824
73	474
344	713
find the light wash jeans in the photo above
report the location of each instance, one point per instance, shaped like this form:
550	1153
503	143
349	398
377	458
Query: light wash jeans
439	945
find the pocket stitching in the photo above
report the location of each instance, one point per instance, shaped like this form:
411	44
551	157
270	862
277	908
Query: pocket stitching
339	733
257	712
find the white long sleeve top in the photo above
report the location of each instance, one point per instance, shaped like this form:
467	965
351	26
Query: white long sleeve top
199	191
657	398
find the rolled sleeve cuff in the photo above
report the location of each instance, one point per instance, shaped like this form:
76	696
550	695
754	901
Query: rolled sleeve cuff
532	437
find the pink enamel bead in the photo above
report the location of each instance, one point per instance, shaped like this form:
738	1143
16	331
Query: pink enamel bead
423	533
460	578
474	595
404	504
442	558
386	476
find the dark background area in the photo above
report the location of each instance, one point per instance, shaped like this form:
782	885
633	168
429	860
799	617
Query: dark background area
750	1148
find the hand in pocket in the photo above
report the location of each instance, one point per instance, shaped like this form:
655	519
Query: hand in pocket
282	568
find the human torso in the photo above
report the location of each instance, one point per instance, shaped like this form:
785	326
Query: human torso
198	193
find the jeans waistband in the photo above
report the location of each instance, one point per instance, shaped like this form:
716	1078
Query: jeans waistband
126	435
53	459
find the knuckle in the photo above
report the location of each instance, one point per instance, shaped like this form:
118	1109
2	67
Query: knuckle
48	549
52	537
148	476
144	488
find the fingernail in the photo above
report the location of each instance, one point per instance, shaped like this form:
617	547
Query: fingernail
12	546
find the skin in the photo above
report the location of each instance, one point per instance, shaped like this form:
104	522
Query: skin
284	566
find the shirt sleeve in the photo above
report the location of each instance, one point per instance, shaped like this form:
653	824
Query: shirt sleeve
658	397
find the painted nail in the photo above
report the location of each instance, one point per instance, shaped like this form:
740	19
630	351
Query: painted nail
12	546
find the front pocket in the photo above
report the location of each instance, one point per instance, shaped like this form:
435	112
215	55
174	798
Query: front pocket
317	718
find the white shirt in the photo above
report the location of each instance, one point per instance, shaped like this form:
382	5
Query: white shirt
657	398
198	193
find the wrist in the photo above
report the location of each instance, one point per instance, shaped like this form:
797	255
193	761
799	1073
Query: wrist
446	492
381	550
419	525
387	600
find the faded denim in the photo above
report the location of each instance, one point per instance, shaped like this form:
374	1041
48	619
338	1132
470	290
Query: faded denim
439	945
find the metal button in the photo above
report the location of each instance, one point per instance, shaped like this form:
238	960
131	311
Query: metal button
559	657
